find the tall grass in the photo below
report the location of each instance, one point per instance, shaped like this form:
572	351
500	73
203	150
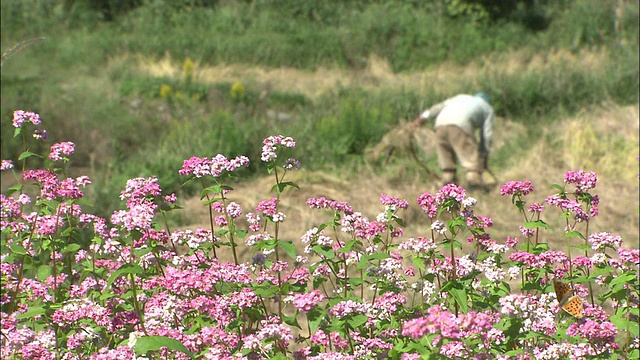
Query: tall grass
409	35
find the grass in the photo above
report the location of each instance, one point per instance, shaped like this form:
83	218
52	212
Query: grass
344	83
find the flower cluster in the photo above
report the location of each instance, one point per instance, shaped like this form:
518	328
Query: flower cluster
79	286
61	150
516	188
583	180
324	203
20	117
306	302
271	144
601	240
451	329
215	167
6	165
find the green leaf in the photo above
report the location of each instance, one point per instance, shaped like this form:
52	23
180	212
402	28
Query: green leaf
537	249
536	224
13	189
71	248
125	269
314	318
107	294
27	154
583	247
459	294
355	281
85	201
573	233
289	247
291	320
458	221
44	271
214	189
283	185
241	233
357	320
619	321
266	292
346	248
621	280
328	254
418	263
366	259
17	249
153	343
33	311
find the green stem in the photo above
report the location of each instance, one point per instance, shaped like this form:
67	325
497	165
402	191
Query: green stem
232	240
277	252
213	237
586	254
166	224
134	289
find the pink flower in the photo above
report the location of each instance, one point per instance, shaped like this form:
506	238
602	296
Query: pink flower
418	245
538	261
305	302
535	207
631	256
450	191
61	150
346	308
291	164
21	116
428	203
6	165
516	188
393	202
601	336
271	144
323	203
216	167
568	205
139	189
583	180
139	216
171	199
234	210
602	240
536	313
40	134
454	350
448	325
268	207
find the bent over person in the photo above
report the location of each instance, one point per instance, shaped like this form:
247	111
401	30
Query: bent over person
457	121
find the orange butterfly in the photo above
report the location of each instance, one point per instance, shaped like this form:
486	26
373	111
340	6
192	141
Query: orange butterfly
571	304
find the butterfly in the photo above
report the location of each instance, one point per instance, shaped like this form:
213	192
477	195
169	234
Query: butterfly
571	304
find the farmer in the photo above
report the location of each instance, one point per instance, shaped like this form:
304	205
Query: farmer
457	120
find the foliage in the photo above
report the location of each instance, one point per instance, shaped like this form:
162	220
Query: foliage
78	285
411	35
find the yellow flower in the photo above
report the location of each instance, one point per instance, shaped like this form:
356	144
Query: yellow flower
165	91
237	91
188	68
